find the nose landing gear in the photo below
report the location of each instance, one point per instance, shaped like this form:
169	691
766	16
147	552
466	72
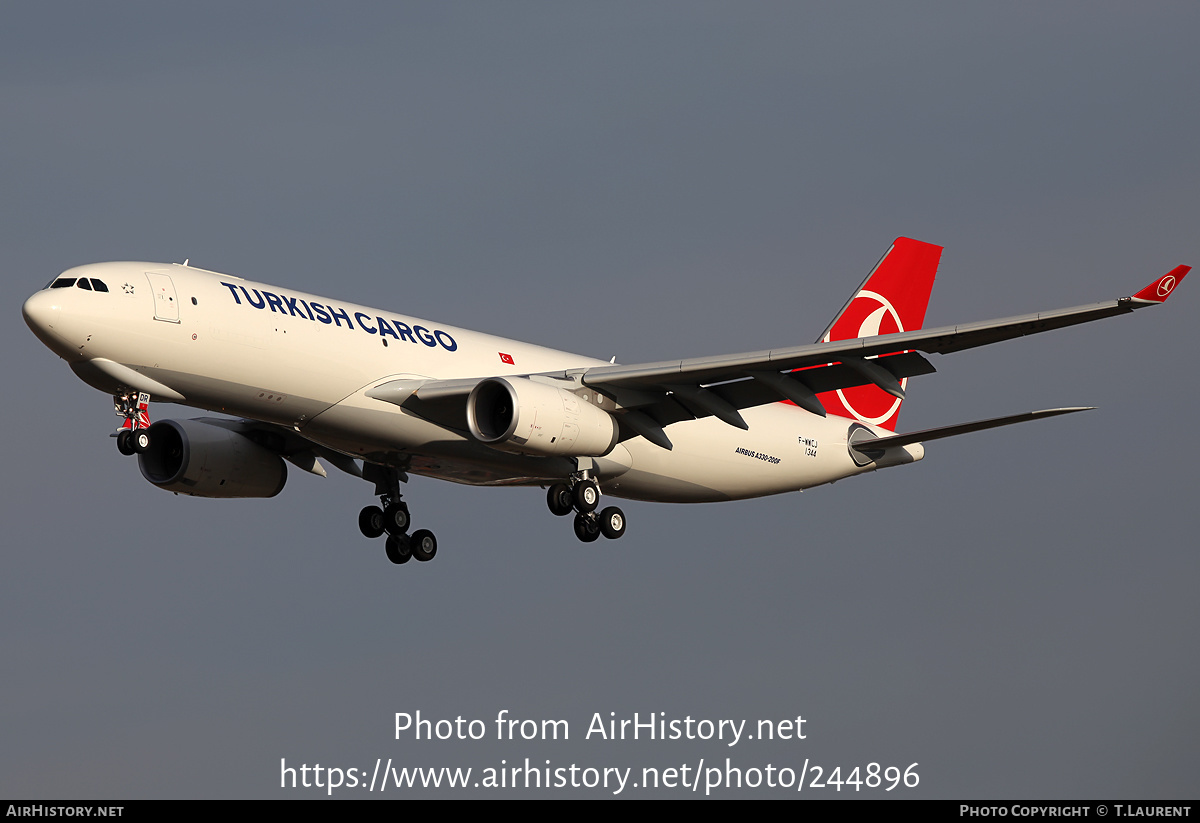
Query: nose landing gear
581	494
392	517
132	436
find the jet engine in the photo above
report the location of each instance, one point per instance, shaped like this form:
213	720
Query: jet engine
203	460
518	415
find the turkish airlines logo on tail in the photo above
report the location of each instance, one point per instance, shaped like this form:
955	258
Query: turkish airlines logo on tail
1165	285
868	315
905	274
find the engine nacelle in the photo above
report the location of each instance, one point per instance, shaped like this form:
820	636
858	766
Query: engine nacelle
519	415
203	460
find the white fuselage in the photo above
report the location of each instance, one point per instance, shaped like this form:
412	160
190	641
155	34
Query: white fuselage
306	362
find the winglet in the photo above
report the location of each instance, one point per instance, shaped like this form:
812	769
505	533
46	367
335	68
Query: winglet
1160	289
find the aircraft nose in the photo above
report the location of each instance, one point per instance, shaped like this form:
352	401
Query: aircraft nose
41	312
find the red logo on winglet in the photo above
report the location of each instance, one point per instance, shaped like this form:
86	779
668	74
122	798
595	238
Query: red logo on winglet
1161	289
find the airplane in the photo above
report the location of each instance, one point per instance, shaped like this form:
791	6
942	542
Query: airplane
381	395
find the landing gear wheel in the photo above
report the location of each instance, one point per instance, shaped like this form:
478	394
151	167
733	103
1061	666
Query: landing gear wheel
559	499
395	519
370	521
586	528
140	440
399	550
124	446
612	522
424	545
587	496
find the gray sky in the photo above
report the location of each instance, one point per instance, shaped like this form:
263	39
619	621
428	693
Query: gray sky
1017	613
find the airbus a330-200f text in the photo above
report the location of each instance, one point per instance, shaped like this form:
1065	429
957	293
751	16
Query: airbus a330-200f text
381	395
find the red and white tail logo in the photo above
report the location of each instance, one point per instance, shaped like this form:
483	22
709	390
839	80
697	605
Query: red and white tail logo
892	299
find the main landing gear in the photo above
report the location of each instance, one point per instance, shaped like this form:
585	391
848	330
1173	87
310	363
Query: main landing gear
392	517
133	437
581	494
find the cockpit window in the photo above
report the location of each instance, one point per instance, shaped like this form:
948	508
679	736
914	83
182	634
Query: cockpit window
86	283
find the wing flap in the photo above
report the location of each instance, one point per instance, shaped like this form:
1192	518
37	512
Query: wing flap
743	394
656	411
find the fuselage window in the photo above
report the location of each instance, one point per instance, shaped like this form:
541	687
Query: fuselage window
84	284
98	285
63	283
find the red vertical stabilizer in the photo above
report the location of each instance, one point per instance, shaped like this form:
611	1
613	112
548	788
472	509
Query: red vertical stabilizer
892	299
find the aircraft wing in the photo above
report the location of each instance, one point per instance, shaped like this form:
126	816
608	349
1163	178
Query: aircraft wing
701	370
650	396
653	395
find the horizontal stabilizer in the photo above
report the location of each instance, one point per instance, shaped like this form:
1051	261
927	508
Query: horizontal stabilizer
882	443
